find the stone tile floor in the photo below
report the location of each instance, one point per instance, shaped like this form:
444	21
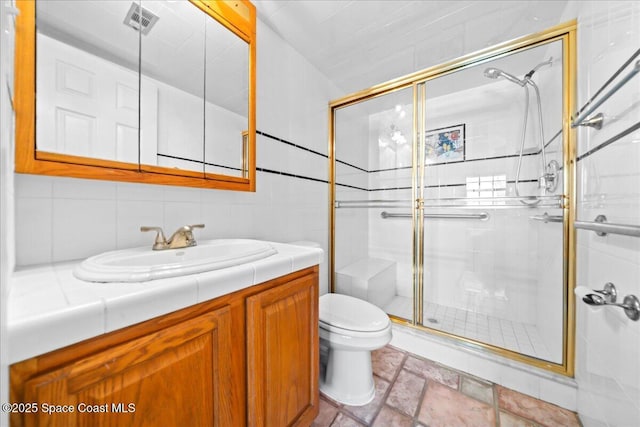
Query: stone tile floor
415	392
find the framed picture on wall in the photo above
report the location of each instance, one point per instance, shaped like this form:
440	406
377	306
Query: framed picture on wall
444	145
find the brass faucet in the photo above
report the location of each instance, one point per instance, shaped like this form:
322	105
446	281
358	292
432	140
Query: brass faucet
182	238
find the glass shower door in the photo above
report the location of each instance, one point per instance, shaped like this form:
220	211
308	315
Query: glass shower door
373	215
493	221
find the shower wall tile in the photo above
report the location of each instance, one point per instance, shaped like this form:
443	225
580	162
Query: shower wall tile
607	342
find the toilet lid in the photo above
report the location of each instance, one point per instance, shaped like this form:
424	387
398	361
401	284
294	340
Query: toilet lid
353	314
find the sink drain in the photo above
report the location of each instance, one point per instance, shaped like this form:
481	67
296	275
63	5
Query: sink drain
432	320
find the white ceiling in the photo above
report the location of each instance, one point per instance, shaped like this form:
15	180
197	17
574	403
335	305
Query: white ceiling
355	43
360	43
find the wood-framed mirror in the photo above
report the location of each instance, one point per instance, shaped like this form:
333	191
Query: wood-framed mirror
152	91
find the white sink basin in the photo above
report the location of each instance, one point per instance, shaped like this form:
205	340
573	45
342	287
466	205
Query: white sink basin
143	264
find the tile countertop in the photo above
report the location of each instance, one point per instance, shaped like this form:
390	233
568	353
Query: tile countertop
49	308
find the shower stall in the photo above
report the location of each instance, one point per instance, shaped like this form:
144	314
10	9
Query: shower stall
451	194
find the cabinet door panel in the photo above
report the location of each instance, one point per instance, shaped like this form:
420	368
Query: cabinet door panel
282	350
176	377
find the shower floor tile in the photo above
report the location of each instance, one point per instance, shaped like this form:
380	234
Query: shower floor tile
423	393
519	337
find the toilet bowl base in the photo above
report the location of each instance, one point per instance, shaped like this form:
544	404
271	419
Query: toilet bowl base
348	377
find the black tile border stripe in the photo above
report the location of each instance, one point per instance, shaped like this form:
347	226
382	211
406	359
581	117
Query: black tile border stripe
292	175
610	141
506	156
351	186
266	135
353	166
324	181
437	164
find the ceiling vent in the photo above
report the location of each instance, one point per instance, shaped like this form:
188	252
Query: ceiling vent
140	19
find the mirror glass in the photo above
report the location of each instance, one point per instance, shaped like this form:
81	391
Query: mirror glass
156	85
86	80
172	59
227	106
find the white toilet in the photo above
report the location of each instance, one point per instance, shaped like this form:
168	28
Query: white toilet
351	328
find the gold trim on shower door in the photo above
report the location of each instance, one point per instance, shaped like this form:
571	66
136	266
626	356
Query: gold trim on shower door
567	34
418	210
331	152
570	191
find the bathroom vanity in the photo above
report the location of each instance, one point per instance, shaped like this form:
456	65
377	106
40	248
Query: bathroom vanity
248	356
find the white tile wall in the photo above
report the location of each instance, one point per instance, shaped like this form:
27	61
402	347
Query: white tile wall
7	190
607	343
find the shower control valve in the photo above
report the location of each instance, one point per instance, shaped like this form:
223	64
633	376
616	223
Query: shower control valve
549	180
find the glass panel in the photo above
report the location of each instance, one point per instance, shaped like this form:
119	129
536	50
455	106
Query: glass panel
86	80
172	68
227	106
496	278
373	151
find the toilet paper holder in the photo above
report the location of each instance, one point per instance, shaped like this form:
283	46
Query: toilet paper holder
608	295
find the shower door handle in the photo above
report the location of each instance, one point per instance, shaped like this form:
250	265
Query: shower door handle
545	217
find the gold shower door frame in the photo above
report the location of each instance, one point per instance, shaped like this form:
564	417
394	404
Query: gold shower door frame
567	34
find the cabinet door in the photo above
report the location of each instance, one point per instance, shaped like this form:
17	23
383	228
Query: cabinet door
179	376
282	354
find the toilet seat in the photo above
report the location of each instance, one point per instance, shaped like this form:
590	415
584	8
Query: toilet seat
351	333
345	314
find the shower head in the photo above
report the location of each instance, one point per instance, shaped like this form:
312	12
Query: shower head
494	73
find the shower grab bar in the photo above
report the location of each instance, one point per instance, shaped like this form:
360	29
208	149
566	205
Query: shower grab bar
597	120
602	228
481	216
545	217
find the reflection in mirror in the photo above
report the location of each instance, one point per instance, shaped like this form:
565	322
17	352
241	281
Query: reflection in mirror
87	80
173	95
227	101
172	68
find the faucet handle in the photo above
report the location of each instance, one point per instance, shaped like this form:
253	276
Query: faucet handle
161	240
191	227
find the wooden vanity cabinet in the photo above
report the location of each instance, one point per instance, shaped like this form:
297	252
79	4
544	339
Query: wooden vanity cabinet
249	358
283	355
